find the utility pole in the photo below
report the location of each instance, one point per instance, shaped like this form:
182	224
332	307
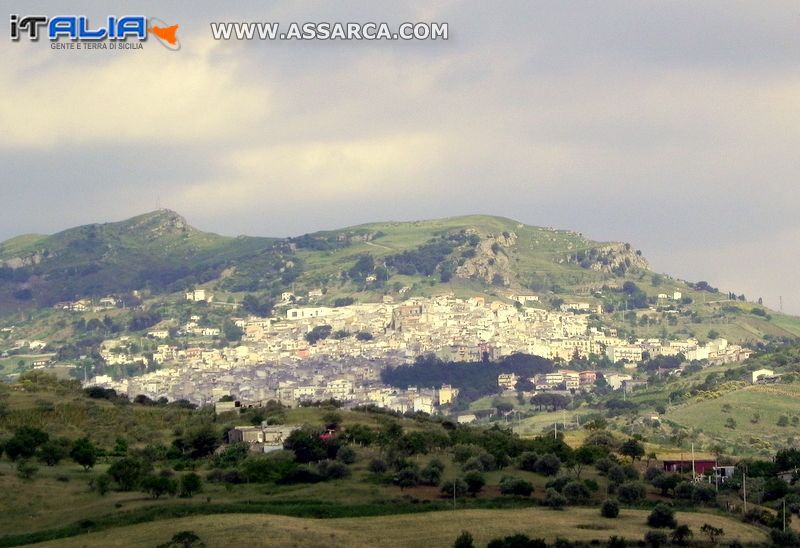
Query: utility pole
744	489
555	430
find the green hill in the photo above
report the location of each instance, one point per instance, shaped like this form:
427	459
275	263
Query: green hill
159	254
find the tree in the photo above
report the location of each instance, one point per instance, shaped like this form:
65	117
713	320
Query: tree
201	441
656	539
576	492
190	484
666	482
346	454
632	448
730	423
26	469
554	499
464	540
24	442
713	533
783	421
128	472
662	516
682	535
547	465
407	477
631	492
84	453
183	539
515	486
158	485
307	445
609	508
458	486
475	482
53	451
231	331
101	483
318	333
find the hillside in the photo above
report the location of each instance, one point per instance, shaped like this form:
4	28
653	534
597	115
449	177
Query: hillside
373	473
156	256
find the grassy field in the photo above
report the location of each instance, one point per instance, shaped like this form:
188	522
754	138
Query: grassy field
768	401
425	529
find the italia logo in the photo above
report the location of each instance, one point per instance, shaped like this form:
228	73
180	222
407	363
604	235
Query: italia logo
77	28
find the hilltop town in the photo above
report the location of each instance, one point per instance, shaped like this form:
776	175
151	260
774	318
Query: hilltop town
316	353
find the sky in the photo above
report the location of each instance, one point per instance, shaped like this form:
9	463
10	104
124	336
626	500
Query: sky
671	125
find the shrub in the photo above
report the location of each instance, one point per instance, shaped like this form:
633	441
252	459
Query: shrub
52	451
458	486
609	509
158	485
515	486
682	535
475	482
464	540
190	484
656	539
527	461
631	492
713	533
346	454
662	516
547	465
554	499
377	466
102	483
576	492
517	541
332	470
84	453
26	469
784	538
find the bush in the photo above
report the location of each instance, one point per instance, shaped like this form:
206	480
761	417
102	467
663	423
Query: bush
52	451
475	482
190	484
554	499
432	473
102	483
464	540
515	486
128	472
332	470
527	461
682	535
346	454
576	492
662	516
631	492
784	538
158	485
609	509
517	541
713	533
84	453
377	466
26	469
458	486
547	465
656	539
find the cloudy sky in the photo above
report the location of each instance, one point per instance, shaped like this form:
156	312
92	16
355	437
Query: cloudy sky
672	125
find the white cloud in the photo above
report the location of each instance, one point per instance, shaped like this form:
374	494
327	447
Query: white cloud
150	95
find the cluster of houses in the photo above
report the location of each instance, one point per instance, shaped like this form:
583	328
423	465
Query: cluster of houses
276	360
